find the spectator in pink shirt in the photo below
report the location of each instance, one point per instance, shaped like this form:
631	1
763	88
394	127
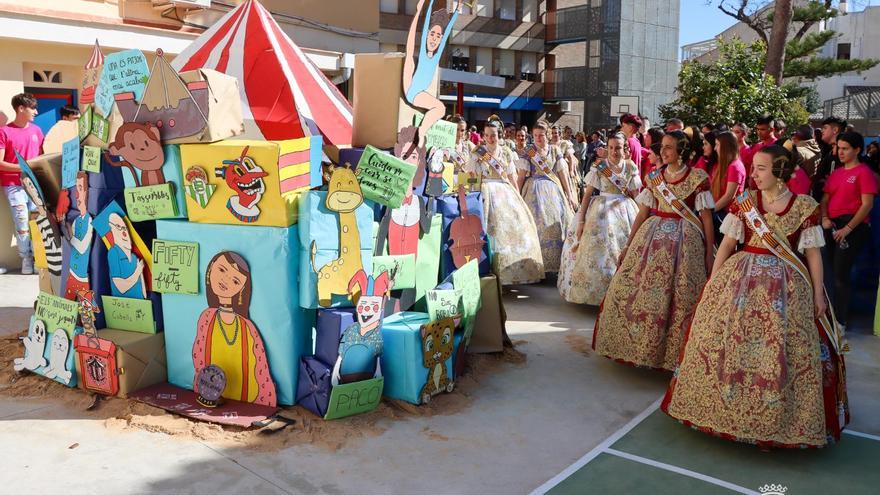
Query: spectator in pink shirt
630	126
848	197
22	136
741	131
766	136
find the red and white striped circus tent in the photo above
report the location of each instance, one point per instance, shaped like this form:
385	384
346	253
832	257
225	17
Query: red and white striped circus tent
284	95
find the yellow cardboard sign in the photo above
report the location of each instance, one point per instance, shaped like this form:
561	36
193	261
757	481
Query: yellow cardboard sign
256	182
39	249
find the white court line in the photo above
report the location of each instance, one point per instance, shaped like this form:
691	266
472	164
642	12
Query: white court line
862	435
589	456
682	471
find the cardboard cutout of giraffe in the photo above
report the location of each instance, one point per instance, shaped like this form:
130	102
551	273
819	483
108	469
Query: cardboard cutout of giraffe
344	197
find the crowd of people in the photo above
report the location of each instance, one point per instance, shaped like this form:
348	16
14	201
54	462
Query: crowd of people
707	255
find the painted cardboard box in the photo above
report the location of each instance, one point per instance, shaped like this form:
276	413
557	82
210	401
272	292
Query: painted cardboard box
140	360
402	357
323	235
489	325
249	182
48	351
255	267
380	109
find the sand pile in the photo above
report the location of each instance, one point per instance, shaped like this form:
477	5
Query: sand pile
295	425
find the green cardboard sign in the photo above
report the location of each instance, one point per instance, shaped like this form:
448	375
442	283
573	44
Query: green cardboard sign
443	303
100	128
402	268
467	280
125	313
85	123
175	267
91	159
151	202
57	313
348	399
428	261
441	135
384	178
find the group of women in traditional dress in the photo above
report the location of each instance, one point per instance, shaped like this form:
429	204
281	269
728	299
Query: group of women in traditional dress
528	199
749	329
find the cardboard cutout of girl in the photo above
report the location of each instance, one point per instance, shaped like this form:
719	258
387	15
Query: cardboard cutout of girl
417	76
226	337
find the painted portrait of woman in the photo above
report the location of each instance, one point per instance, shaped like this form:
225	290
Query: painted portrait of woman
226	337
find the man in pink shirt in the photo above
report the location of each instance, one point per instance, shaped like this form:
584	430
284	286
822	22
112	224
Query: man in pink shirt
766	136
22	136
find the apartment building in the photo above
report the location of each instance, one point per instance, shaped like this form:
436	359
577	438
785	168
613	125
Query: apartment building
493	61
606	57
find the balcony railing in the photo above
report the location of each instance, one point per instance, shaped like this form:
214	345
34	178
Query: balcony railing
862	110
577	83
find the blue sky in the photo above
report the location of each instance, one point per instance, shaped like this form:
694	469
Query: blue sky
699	21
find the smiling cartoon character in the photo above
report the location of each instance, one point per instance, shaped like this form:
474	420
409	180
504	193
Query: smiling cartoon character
245	178
361	343
140	147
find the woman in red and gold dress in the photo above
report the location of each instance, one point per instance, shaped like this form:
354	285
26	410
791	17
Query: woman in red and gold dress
761	362
653	294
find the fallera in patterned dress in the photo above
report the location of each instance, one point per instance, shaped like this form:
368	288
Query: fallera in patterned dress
517	254
652	296
545	198
585	273
757	366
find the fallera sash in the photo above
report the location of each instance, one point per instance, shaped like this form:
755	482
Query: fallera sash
679	206
780	248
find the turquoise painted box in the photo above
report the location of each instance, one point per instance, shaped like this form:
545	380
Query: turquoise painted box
247	299
320	231
402	357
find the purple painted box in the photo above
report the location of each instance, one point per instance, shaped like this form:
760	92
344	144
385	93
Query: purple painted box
313	389
329	325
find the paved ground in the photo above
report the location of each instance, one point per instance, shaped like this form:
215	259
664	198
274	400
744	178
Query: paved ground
525	426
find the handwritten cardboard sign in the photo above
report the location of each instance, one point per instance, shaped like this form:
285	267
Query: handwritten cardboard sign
100	127
401	269
441	135
124	72
443	303
124	313
348	399
69	162
57	312
467	280
91	159
175	267
84	123
151	202
384	178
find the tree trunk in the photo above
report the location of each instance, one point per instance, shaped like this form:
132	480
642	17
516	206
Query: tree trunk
778	36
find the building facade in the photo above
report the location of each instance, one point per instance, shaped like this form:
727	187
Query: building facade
606	57
493	57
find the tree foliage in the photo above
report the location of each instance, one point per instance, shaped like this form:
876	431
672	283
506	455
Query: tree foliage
732	89
802	51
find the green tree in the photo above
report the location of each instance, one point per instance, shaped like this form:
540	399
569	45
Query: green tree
732	89
802	57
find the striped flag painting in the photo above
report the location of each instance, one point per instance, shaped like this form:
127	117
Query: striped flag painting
299	164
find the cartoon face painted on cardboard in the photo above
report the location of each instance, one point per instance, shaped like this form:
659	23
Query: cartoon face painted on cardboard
245	178
140	147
